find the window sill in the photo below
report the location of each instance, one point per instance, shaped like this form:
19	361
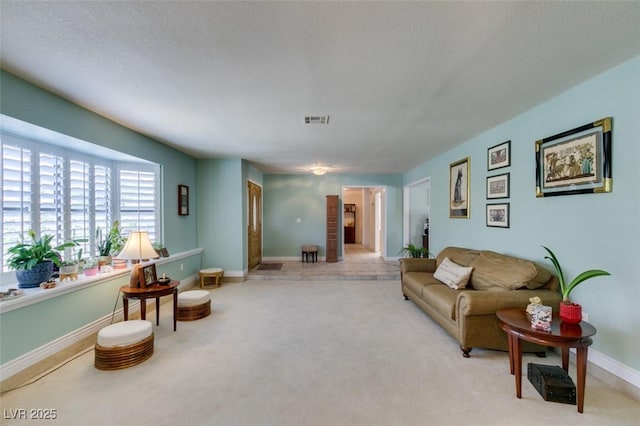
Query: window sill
35	295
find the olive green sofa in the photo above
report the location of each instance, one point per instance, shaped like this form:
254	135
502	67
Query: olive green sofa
497	281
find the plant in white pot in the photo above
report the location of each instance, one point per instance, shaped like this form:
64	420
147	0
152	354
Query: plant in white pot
571	312
33	260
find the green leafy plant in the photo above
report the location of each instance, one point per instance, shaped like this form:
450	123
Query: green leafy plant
116	238
103	244
414	251
566	288
26	255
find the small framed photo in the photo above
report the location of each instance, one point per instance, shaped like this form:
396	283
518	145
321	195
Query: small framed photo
148	276
577	161
183	200
498	186
498	215
164	252
459	189
499	156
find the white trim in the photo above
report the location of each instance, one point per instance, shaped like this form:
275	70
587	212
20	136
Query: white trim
613	367
25	361
234	274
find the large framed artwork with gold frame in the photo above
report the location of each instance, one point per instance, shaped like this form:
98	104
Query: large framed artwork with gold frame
577	161
459	189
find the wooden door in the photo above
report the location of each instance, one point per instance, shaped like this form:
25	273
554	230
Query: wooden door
332	228
255	225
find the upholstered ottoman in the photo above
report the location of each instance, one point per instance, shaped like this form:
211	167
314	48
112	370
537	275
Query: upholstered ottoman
309	250
193	305
123	345
214	274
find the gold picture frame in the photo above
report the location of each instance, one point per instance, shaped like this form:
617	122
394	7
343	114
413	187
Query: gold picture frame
577	161
459	189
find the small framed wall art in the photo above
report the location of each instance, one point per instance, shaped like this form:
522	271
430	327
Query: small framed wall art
183	200
577	161
498	186
498	215
459	189
499	156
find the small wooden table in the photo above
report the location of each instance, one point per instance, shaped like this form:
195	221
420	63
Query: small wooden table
517	325
155	291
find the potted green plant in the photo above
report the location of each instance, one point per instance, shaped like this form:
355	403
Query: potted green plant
571	312
91	267
103	243
33	260
414	251
117	240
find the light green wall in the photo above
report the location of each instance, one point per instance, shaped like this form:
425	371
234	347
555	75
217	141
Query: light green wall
288	197
585	231
222	214
31	104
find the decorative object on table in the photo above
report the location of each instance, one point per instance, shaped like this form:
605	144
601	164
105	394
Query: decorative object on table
148	276
164	280
577	161
459	189
118	263
498	215
411	250
183	200
552	383
33	260
499	156
571	312
138	247
541	317
533	302
11	293
498	186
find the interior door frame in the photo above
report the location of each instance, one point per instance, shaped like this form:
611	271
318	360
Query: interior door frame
250	222
406	207
382	189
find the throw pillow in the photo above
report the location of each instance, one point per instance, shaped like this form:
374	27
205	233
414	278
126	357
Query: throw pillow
452	274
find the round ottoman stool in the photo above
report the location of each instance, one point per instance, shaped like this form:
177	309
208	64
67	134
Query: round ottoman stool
215	274
123	345
193	305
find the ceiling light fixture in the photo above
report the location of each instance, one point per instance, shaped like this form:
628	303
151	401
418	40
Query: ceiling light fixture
319	170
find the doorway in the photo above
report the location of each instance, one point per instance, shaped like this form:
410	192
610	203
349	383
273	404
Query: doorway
363	222
416	212
254	236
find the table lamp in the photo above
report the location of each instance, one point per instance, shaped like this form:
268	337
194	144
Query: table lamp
138	247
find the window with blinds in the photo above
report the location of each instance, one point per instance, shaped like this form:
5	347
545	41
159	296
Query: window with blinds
70	194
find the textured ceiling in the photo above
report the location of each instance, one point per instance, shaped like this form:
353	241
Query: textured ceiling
402	82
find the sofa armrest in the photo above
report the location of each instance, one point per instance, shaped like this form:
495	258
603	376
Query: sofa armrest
409	264
472	302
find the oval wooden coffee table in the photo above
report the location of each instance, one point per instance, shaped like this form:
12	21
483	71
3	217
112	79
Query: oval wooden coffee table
516	324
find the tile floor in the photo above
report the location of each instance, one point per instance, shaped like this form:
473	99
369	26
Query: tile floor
358	264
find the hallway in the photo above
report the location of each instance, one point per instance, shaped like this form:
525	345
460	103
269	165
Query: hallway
358	264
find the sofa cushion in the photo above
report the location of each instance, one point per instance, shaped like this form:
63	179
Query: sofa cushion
414	281
459	255
442	298
452	274
494	271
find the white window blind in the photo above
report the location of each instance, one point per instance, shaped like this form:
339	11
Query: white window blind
69	194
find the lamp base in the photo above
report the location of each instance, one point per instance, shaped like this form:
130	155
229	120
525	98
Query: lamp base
134	278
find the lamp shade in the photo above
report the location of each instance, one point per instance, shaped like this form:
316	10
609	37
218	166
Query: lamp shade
138	247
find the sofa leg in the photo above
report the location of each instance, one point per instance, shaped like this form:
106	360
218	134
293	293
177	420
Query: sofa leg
465	351
405	296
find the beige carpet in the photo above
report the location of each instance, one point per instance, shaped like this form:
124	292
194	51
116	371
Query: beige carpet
309	353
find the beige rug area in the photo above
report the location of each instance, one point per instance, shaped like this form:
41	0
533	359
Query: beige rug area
309	353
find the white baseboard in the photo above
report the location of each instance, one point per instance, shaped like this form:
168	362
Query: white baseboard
31	358
289	259
612	366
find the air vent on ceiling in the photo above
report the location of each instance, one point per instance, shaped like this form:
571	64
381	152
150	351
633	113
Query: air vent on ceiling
316	119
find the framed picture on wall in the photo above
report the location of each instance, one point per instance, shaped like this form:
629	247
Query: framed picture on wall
459	189
499	156
183	200
498	215
498	186
577	161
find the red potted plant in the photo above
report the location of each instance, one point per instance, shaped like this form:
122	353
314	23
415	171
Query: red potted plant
571	312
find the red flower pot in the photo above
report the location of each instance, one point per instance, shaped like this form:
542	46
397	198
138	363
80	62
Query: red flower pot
570	312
